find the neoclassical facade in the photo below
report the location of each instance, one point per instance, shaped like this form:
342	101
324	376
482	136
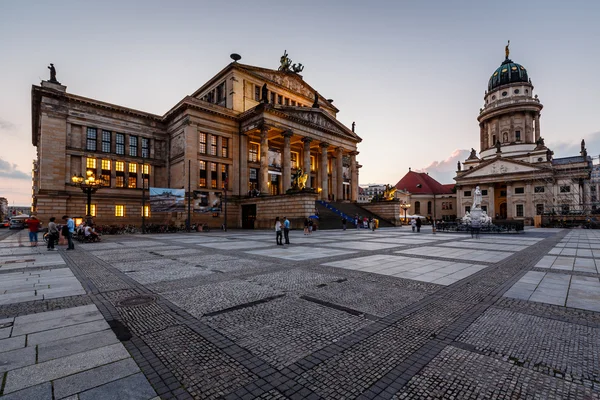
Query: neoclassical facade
246	131
517	174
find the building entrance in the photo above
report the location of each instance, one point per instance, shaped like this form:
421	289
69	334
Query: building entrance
502	211
248	216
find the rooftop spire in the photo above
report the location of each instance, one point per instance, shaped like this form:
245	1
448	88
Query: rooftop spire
506	50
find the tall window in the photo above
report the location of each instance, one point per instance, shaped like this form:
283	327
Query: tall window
294	159
417	207
91	211
287	101
279	99
146	211
519	210
272	97
428	207
467	209
90	165
120	174
202	182
106	172
224	176
253	151
145	176
120	143
132	180
220	92
213	175
202	147
213	145
539	209
133	146
106	139
119	210
145	147
256	92
518	136
225	147
92	136
312	163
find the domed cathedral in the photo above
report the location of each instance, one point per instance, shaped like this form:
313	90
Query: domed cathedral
516	172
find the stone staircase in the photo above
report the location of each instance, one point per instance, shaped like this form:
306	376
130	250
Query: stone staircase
331	214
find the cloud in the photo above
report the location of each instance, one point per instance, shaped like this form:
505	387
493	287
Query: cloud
444	171
569	149
7	125
8	170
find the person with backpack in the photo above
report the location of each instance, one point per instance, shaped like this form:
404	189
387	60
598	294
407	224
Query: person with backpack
52	234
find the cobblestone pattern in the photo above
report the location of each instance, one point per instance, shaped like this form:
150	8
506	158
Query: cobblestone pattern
459	374
553	347
272	395
87	268
293	280
38	306
123	254
551	311
351	372
284	330
219	296
205	371
373	298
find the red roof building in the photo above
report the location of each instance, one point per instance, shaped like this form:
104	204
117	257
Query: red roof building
427	197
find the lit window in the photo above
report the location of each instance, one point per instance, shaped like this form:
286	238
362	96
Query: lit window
312	163
146	169
132	182
120	166
224	147
92	135
294	159
146	211
91	212
202	168
90	163
106	164
213	145
253	151
132	168
202	147
120	181
119	211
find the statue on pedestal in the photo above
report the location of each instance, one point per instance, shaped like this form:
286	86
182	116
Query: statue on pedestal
477	198
299	181
52	74
265	94
316	103
498	146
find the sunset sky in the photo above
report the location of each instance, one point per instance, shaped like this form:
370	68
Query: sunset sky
411	74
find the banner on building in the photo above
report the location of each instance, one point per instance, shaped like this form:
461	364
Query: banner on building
207	202
165	199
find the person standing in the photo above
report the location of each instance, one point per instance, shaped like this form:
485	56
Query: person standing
419	225
344	223
34	226
413	224
306	223
356	221
310	226
278	231
70	230
52	234
286	230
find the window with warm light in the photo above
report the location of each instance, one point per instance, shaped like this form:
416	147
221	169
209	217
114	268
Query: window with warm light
119	211
213	175
253	151
224	176
119	166
146	211
202	168
224	147
294	159
132	182
106	172
90	163
312	163
132	168
106	165
202	146
92	210
146	169
213	145
119	181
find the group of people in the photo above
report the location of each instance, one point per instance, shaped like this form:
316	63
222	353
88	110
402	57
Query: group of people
67	230
416	223
366	223
308	226
278	231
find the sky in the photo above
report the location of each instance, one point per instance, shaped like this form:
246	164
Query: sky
411	74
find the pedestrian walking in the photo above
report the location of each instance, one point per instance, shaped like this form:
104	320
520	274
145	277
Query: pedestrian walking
419	225
413	224
344	223
310	225
356	221
34	226
306	223
278	231
286	230
52	234
69	231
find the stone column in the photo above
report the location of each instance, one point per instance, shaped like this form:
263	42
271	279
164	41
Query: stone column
460	210
354	177
208	175
491	206
219	146
340	174
529	210
140	176
324	175
306	163
264	161
509	204
287	161
219	176
243	166
537	127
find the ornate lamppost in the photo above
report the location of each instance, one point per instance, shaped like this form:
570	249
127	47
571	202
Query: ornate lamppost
405	207
89	184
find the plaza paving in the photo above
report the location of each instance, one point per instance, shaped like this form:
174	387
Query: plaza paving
334	315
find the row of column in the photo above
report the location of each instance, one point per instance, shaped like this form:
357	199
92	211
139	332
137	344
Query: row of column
287	170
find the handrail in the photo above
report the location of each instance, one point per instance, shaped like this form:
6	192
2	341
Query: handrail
335	210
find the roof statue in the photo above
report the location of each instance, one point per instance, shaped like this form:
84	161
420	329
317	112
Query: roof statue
285	64
498	146
458	165
507	50
353	125
473	154
265	94
316	103
540	142
52	74
583	149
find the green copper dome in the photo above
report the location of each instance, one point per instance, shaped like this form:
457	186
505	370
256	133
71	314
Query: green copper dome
508	72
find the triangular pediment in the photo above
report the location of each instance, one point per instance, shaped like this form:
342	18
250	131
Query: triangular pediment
320	119
500	167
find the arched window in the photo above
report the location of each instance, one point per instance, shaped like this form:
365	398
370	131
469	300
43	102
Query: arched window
428	208
417	207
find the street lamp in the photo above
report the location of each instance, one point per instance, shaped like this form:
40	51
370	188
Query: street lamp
405	207
88	184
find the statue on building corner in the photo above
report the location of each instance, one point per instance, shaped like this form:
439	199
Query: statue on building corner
316	103
506	50
473	153
583	149
458	167
540	142
297	68
285	62
498	146
265	94
52	74
353	125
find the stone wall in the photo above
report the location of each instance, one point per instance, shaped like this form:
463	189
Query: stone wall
389	210
296	207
